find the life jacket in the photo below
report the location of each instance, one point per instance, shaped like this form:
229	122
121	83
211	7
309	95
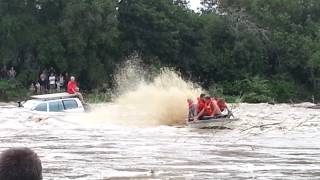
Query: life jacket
201	104
208	108
221	104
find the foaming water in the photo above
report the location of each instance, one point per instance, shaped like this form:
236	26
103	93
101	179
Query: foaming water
162	101
269	142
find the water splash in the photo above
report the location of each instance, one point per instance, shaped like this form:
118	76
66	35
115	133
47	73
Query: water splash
129	75
143	102
162	101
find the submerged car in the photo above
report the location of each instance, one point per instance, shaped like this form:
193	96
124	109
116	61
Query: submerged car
58	102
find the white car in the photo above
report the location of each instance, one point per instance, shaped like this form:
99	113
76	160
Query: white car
58	102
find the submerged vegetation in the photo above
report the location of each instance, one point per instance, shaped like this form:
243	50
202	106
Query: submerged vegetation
258	50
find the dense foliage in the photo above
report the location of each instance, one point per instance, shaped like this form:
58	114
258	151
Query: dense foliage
261	50
12	90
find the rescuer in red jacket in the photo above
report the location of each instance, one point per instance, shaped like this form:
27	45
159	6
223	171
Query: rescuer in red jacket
207	107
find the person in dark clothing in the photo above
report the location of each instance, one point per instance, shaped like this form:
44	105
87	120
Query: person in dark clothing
66	79
4	72
52	70
43	82
20	164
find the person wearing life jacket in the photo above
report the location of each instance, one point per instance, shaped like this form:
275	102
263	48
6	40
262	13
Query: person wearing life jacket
201	103
212	106
207	107
193	107
221	104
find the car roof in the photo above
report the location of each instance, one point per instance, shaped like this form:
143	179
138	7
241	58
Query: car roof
53	96
52	100
35	102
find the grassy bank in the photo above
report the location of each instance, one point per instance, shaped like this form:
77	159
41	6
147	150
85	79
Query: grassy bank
259	90
97	97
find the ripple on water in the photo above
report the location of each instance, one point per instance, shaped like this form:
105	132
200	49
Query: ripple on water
84	150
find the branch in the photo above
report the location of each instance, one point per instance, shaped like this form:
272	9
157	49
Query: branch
263	125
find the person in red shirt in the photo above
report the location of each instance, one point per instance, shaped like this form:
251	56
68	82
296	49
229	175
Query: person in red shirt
72	88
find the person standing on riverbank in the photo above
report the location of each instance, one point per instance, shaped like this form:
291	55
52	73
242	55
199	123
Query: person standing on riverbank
32	88
66	79
43	82
12	73
3	73
52	83
38	88
60	82
20	164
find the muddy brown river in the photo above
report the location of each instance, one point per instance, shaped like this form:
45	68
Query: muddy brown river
269	142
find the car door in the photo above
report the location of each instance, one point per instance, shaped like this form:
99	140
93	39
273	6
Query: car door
56	107
42	107
70	105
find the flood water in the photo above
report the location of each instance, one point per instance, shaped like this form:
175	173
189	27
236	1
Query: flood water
269	142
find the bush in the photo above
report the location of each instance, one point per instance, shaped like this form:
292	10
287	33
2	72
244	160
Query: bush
251	90
11	90
233	99
283	91
98	97
26	77
216	91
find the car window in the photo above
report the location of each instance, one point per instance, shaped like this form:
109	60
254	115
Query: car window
41	107
70	104
55	106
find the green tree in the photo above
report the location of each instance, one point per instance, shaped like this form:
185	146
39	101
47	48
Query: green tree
89	37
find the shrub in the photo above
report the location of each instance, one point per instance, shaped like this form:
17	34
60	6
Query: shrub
98	97
216	91
283	91
252	90
11	90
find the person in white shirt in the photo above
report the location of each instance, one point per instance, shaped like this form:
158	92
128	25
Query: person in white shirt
38	88
60	82
32	88
12	73
52	82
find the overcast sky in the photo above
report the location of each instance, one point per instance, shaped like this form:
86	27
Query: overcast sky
194	4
